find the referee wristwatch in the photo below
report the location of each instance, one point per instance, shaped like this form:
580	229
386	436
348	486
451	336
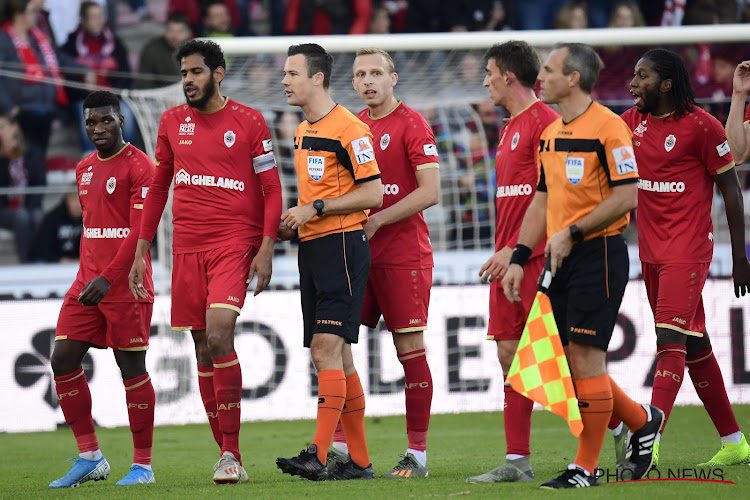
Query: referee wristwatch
318	206
576	233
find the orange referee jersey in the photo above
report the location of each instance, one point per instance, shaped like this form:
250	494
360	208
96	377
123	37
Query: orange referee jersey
332	156
580	163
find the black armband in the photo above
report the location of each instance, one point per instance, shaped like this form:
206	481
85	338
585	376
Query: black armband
521	254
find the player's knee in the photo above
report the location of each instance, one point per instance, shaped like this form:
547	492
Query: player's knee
696	345
408	342
220	344
665	336
62	362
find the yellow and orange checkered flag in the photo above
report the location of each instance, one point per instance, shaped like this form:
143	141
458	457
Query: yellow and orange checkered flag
540	370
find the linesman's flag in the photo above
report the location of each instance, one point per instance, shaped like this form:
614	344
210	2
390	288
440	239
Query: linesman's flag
540	370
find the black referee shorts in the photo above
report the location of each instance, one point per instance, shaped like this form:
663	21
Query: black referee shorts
587	291
333	273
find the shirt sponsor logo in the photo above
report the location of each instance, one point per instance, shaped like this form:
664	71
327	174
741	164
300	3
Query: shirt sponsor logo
390	189
625	160
513	190
640	129
106	232
229	138
111	184
315	167
267	145
669	142
430	150
661	187
362	150
722	148
86	177
182	177
384	141
574	169
514	141
187	128
186	142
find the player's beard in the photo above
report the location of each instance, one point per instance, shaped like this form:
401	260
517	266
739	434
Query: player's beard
650	101
206	93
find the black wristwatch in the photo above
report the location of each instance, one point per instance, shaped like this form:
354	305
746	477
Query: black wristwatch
576	233
318	206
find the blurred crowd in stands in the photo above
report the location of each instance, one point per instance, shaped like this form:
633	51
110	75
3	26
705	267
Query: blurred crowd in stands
46	42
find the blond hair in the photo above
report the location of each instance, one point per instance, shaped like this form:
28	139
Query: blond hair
368	51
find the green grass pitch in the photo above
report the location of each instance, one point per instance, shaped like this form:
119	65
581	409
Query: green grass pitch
459	445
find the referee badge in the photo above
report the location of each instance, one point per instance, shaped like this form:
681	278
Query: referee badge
111	183
574	169
229	138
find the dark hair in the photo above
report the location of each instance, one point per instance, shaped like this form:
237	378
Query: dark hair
316	58
518	57
13	7
101	99
85	6
211	52
669	66
584	59
178	18
210	3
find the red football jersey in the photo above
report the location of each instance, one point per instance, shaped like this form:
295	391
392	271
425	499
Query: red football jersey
404	143
111	193
215	159
676	161
517	172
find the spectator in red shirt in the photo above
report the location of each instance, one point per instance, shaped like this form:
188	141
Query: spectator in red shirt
328	17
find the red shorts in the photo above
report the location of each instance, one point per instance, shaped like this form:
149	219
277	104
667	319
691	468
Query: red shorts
402	296
507	319
120	325
215	278
674	292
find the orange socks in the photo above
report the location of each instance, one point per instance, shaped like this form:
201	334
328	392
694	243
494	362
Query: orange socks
595	402
626	409
331	394
353	421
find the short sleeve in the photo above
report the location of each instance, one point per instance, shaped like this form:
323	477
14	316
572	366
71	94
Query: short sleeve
357	141
262	148
713	148
420	145
621	167
164	154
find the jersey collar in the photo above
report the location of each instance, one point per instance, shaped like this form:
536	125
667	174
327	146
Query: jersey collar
388	113
114	155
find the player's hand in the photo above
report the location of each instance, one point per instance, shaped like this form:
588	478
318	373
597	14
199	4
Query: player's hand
741	276
285	233
370	227
94	291
558	247
496	265
262	265
298	216
741	80
135	278
512	283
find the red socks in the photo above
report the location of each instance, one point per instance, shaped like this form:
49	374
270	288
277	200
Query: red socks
706	376
517	421
139	394
670	368
331	395
208	395
75	400
228	388
418	397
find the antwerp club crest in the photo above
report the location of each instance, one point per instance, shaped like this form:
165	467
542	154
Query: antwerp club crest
384	141
514	141
111	183
229	138
670	142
